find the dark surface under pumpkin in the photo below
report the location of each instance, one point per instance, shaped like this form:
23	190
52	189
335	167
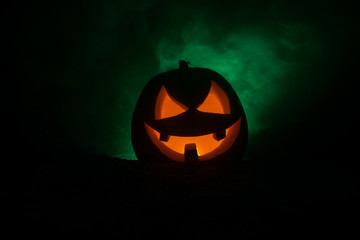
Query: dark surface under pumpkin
104	198
189	115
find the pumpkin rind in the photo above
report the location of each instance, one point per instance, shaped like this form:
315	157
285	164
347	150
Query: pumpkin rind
218	131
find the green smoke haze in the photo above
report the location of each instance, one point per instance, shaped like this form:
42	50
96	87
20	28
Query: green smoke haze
250	59
83	65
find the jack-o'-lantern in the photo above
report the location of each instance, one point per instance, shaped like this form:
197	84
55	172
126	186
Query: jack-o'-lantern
189	115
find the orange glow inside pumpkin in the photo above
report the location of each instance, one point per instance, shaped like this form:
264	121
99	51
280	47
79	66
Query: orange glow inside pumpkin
166	106
207	147
216	101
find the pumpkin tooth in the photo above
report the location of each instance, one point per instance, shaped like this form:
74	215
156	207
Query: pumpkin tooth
190	152
219	135
164	137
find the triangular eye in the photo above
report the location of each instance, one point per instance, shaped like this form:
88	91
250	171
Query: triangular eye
216	101
166	106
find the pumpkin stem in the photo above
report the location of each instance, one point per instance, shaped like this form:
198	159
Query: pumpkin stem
183	64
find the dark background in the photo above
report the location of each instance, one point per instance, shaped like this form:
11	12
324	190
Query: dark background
303	177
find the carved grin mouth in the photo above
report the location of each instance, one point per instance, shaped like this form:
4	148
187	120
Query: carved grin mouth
193	148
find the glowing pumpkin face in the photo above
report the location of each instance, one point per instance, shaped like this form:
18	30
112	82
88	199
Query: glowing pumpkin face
189	115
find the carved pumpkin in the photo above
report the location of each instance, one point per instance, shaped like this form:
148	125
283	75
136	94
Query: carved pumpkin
189	115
